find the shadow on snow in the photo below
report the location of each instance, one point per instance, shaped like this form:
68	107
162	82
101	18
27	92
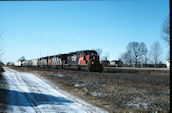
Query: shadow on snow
17	98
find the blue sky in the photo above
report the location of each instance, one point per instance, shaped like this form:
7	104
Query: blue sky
32	29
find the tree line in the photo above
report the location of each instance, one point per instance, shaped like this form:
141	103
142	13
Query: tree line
138	54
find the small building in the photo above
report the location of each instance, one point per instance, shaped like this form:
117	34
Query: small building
17	63
116	63
105	62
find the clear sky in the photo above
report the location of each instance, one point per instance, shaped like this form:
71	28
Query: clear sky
34	29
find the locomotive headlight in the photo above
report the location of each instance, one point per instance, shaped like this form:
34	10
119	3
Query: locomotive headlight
92	62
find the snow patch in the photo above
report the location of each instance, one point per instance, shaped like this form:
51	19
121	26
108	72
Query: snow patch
96	94
79	85
59	75
30	93
138	105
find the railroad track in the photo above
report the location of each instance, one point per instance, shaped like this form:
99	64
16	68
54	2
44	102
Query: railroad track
106	70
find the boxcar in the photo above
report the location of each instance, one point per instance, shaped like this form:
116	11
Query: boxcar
43	62
17	63
55	61
34	62
26	63
30	63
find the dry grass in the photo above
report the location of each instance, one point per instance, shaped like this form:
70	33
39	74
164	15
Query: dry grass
114	92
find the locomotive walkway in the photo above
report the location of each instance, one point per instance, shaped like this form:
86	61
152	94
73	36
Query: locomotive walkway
30	93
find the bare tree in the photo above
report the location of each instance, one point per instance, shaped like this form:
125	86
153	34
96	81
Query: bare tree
166	33
145	59
144	52
99	52
166	30
155	53
136	51
22	59
126	58
106	56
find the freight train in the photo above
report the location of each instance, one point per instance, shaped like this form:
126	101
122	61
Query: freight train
80	60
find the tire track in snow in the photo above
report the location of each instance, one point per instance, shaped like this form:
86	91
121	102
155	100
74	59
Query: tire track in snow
30	101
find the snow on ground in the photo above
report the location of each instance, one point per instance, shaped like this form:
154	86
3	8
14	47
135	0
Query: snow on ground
30	93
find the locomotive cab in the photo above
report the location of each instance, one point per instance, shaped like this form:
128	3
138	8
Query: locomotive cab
91	59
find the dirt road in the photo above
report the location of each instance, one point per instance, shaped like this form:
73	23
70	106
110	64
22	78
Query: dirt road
30	93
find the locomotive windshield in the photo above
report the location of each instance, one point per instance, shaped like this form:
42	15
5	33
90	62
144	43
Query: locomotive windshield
90	53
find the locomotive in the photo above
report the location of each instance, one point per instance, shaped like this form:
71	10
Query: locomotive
80	60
